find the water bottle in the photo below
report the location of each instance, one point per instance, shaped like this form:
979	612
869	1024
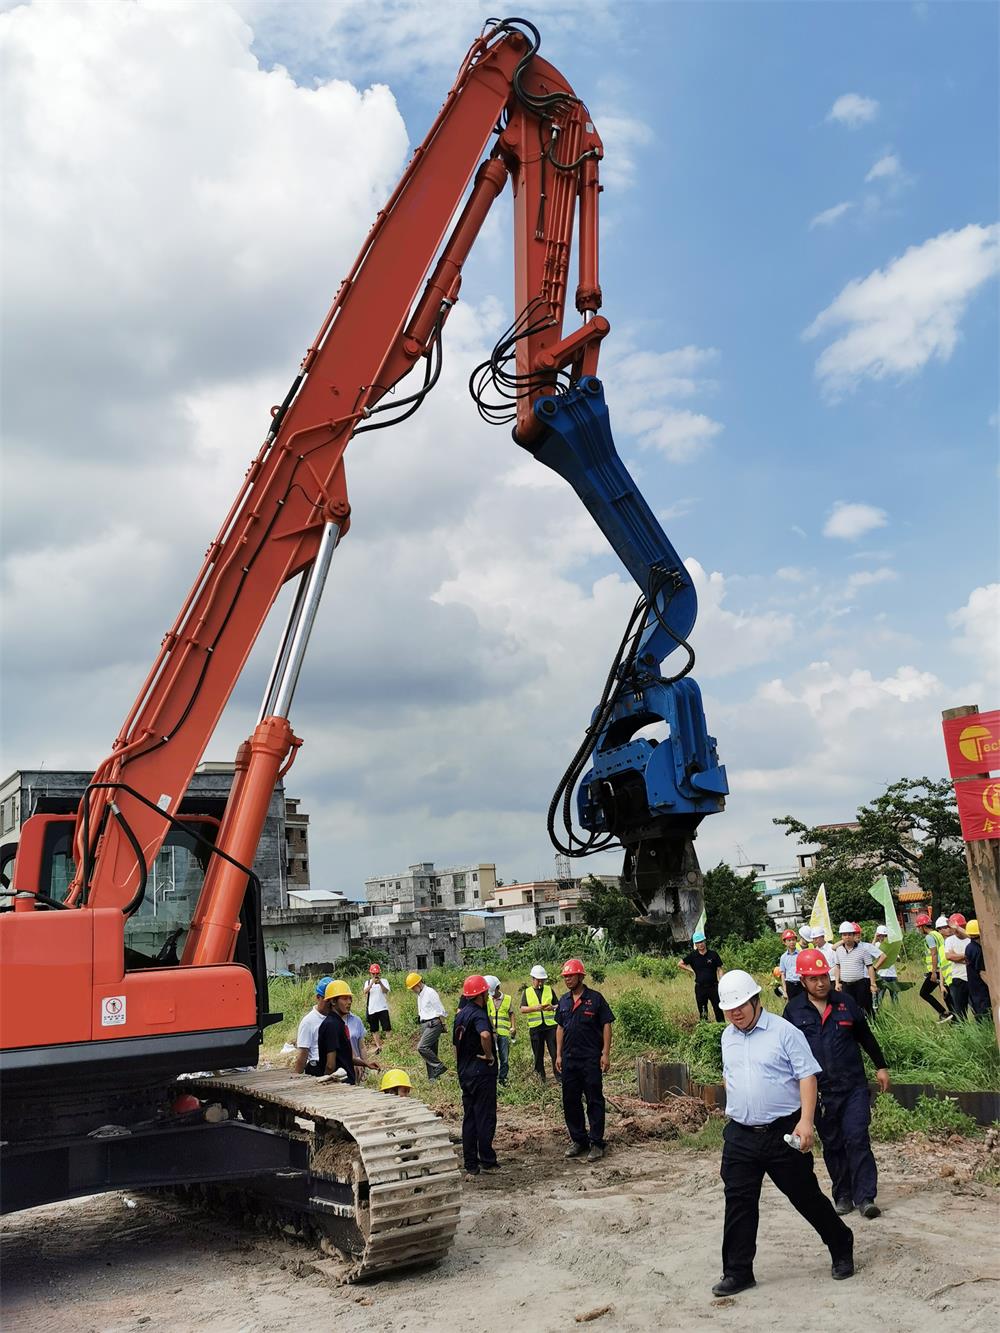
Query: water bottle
793	1141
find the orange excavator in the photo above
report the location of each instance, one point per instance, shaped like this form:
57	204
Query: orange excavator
98	1024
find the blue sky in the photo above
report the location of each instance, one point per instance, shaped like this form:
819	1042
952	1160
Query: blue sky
799	264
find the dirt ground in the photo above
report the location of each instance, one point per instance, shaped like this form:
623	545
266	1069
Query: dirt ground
634	1242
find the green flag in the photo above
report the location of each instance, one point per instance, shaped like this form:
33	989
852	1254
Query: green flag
882	894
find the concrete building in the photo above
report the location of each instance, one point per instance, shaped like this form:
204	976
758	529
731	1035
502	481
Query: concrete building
422	885
430	937
296	844
309	939
552	902
781	890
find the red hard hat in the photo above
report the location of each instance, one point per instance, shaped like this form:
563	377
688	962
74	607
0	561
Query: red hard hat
812	963
957	919
374	969
923	919
573	967
788	934
473	986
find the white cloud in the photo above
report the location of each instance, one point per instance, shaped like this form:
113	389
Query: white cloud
830	215
853	110
791	574
866	578
849	521
622	136
642	391
886	168
899	317
978	637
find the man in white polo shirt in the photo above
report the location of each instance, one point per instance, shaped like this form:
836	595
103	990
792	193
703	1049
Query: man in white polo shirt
307	1037
770	1077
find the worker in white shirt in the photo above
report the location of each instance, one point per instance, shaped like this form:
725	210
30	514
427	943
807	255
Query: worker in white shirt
885	977
307	1037
377	1006
955	946
431	1013
854	967
818	941
770	1077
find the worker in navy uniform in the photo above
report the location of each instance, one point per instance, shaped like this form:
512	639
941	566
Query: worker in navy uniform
476	1060
837	1031
770	1076
583	1056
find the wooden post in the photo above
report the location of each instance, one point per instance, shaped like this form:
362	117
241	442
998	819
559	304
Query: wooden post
983	860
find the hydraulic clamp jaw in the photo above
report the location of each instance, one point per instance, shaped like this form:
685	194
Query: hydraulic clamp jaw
647	793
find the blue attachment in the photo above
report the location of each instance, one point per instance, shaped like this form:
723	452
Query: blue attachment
681	777
579	446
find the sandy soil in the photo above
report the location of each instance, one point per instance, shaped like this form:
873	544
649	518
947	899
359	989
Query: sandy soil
540	1245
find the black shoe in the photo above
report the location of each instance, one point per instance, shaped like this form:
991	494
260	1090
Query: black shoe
491	1166
842	1207
843	1267
575	1150
731	1286
869	1208
595	1154
472	1170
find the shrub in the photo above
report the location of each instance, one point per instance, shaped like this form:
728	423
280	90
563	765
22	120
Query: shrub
942	1115
659	969
959	1057
484	962
597	974
890	1121
641	1022
704	1050
755	956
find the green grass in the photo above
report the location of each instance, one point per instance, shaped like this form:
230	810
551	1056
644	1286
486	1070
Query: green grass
656	1017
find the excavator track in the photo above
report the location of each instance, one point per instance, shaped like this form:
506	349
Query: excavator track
392	1154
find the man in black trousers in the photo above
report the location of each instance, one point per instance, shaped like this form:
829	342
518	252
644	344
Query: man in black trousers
770	1076
583	1056
476	1060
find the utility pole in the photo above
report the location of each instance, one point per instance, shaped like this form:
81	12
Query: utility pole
982	857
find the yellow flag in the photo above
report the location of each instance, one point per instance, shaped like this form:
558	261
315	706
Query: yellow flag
821	915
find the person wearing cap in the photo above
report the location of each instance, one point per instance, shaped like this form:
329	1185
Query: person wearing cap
306	1039
885	977
431	1013
336	1054
937	969
770	1078
504	1020
790	984
583	1057
475	1059
956	944
377	1005
817	940
837	1031
356	1032
538	1002
705	966
975	963
854	966
396	1083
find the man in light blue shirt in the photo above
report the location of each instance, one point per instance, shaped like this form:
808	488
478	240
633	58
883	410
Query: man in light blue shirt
770	1077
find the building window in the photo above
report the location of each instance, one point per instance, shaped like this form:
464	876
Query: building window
331	930
528	896
439	958
421	962
550	921
475	877
475	893
459	899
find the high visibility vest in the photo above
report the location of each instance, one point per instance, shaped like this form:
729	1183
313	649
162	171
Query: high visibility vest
500	1018
935	940
548	996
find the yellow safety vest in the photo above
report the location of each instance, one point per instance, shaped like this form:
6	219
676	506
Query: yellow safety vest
499	1017
935	940
548	996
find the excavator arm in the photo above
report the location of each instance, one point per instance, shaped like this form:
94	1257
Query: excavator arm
292	509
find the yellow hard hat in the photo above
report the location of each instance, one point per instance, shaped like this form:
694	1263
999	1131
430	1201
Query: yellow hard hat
336	988
394	1078
972	928
413	979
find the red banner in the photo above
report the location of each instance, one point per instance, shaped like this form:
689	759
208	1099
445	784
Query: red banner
972	744
979	809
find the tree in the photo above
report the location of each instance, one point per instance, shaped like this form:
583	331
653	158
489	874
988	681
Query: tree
733	906
277	946
911	831
606	907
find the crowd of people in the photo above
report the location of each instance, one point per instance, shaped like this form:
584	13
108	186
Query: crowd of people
788	1078
574	1029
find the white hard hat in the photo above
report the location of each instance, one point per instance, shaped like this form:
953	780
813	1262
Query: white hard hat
492	982
736	988
806	932
538	973
881	930
845	928
941	921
